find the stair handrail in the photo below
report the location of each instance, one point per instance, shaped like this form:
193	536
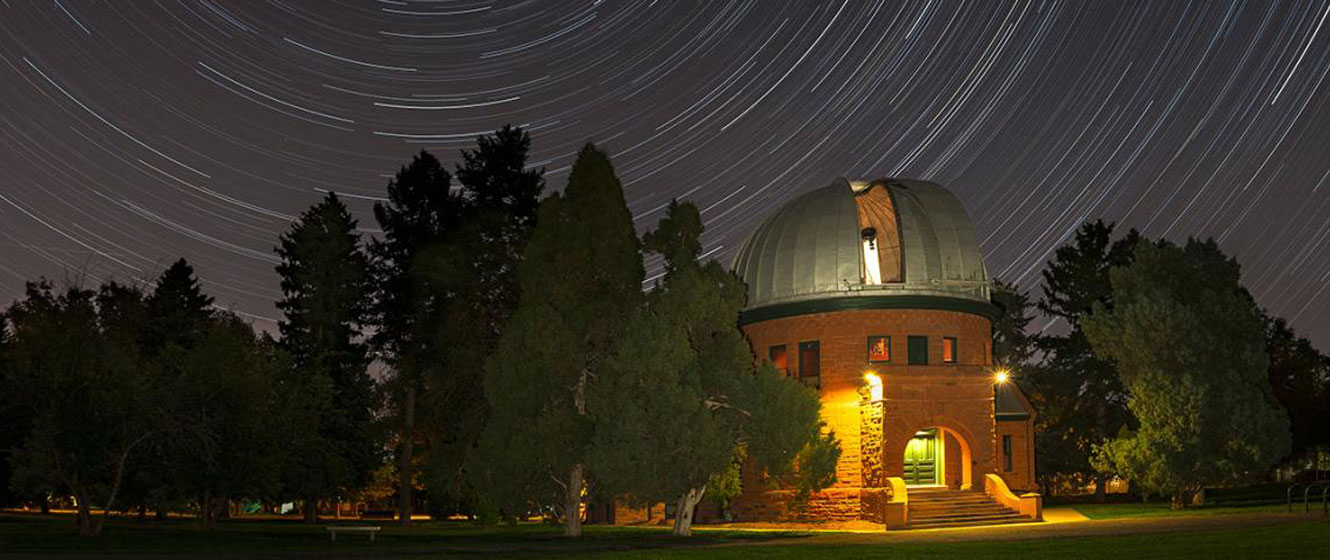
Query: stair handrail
1028	504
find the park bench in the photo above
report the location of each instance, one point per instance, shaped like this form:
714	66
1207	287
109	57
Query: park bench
349	529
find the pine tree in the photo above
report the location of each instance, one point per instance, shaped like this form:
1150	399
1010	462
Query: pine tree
477	265
1299	374
1014	347
178	310
325	286
178	315
1188	341
409	312
580	282
680	399
1078	394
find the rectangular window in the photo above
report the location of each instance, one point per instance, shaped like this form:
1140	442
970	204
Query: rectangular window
949	350
779	358
1006	452
810	356
879	349
918	350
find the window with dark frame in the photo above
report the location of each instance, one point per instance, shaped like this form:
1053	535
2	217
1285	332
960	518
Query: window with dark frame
948	349
918	350
1006	452
879	349
779	358
810	359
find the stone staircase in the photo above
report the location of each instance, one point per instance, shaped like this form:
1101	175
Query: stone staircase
936	508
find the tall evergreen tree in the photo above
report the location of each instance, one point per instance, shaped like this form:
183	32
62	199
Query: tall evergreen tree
580	282
178	310
325	286
1014	346
1188	342
410	312
176	315
1300	378
477	265
676	405
211	395
1080	399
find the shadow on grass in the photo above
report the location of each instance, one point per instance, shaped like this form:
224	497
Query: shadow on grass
55	534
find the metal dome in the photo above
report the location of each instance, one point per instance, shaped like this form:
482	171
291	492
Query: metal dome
814	249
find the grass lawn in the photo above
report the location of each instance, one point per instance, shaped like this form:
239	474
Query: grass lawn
56	535
1137	509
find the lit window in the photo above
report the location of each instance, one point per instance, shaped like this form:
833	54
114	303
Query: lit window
879	349
810	360
779	358
948	350
918	350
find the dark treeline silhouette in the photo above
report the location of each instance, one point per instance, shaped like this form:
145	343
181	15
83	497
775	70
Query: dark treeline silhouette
515	338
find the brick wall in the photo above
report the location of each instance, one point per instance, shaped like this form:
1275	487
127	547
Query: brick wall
956	397
1021	475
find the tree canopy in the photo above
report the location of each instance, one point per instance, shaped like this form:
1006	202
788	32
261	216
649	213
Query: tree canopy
326	286
1077	392
580	282
1188	341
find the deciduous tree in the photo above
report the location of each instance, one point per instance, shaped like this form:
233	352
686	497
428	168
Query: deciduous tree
1189	344
88	399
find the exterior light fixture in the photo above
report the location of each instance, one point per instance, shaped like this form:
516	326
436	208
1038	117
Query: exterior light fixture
874	385
1001	376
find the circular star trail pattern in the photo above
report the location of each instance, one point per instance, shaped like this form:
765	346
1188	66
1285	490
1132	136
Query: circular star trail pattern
134	132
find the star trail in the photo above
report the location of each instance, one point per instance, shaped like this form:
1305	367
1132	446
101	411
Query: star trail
135	132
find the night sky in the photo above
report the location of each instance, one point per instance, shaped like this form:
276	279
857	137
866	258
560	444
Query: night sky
134	132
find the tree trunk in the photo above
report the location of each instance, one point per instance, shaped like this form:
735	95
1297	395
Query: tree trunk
86	528
46	506
1101	411
218	508
311	511
205	510
142	517
1180	498
572	503
404	463
684	509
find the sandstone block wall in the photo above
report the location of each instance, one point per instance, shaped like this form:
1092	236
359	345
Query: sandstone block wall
957	397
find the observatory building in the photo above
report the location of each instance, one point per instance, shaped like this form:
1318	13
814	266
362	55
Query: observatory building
875	293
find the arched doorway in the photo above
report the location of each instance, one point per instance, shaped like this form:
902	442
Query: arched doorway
937	456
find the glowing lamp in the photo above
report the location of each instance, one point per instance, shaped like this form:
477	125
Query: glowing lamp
1001	376
874	385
